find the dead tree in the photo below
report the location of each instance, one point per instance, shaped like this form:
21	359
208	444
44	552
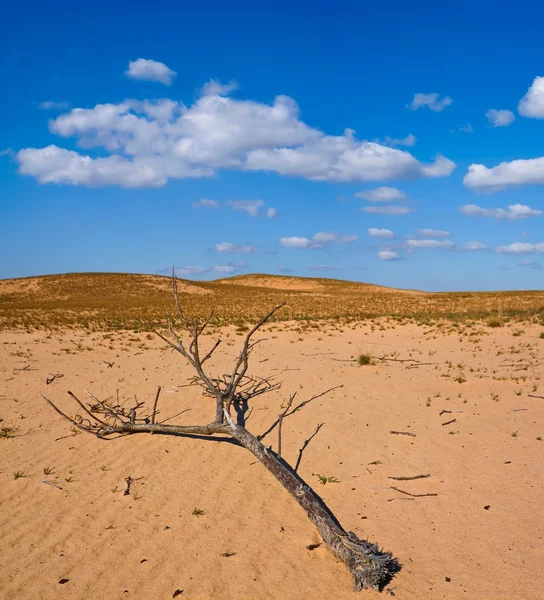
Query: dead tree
370	567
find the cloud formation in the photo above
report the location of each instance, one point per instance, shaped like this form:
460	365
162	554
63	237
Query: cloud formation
433	233
145	69
463	129
472	246
521	248
149	142
409	140
229	248
500	118
430	100
532	104
429	243
52	105
215	87
387	255
387	210
231	267
380	233
251	207
505	174
513	212
205	203
382	194
317	241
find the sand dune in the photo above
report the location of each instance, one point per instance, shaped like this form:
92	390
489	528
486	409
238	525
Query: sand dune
149	544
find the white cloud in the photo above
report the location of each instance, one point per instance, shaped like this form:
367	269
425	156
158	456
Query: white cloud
505	174
387	210
409	140
57	165
380	233
500	118
531	264
7	152
271	213
382	194
463	129
513	212
317	241
150	142
228	248
430	100
52	105
474	246
251	207
231	267
285	270
295	242
205	203
430	243
387	255
150	70
345	159
224	269
532	104
216	88
521	248
433	232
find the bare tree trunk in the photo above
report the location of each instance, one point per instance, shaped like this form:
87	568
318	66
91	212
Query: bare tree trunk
370	567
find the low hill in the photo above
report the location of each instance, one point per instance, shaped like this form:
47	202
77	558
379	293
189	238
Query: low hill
132	301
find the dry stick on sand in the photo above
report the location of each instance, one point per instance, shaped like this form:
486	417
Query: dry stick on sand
403	433
410	478
369	566
412	495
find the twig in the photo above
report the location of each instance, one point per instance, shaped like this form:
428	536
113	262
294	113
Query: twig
403	433
449	422
305	445
51	484
410	478
154	413
533	396
297	408
280	421
129	481
413	495
398	498
53	377
110	364
444	411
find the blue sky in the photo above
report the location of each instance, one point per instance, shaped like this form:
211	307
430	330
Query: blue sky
349	140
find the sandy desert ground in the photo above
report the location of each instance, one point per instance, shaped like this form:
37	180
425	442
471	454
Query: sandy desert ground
479	537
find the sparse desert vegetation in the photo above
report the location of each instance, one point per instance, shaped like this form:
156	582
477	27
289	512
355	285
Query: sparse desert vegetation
112	301
444	428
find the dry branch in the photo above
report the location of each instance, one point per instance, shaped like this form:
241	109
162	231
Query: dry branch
412	495
410	478
403	433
